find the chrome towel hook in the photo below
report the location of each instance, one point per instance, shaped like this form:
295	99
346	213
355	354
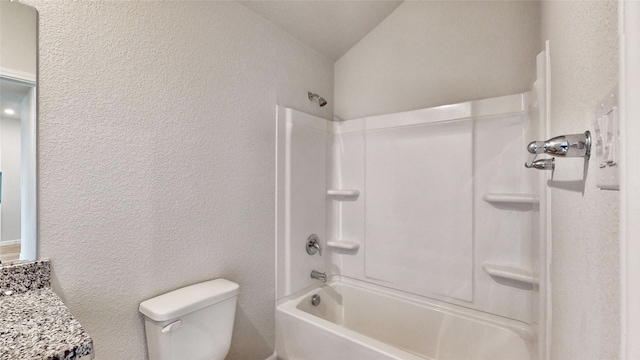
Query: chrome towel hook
541	164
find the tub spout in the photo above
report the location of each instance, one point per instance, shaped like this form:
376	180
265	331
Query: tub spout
318	275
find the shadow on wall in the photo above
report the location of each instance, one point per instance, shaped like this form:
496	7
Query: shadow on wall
573	185
258	348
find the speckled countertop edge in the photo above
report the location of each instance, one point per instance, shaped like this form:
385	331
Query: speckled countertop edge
34	322
22	277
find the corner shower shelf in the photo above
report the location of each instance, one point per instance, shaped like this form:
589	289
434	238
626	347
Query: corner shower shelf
343	244
511	273
506	198
343	194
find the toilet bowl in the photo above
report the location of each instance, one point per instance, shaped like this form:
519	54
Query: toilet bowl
194	322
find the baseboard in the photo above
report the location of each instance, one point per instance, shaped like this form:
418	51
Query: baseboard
10	242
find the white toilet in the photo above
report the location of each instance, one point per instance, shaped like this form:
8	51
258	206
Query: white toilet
194	322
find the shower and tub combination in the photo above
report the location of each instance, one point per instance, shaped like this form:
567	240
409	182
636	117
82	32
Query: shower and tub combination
414	235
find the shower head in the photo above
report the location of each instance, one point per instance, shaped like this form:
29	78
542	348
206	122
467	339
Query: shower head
321	101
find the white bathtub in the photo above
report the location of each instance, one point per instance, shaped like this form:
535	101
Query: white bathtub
356	321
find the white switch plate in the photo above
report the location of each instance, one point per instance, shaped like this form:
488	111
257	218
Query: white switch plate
607	142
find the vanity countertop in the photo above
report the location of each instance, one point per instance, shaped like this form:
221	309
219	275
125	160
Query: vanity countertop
36	324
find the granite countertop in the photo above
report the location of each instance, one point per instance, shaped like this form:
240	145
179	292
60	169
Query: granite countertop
34	322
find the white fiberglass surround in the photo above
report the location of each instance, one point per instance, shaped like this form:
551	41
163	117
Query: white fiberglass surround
433	204
445	200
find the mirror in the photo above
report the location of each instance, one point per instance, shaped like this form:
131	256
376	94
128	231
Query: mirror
18	119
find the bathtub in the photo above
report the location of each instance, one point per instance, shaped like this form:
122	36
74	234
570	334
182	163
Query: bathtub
355	321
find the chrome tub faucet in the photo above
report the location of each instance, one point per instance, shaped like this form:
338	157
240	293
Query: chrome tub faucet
318	275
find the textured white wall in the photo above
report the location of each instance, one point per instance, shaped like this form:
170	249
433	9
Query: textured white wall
18	37
10	160
429	53
157	137
157	157
585	264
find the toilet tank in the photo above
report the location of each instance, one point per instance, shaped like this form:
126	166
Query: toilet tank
194	322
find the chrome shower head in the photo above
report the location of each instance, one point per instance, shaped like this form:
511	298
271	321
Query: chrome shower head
321	100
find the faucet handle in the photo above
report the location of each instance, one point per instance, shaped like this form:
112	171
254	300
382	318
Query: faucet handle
313	245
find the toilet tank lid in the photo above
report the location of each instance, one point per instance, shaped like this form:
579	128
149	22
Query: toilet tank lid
188	299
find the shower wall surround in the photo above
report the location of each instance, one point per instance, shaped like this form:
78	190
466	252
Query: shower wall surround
412	200
422	220
301	183
434	202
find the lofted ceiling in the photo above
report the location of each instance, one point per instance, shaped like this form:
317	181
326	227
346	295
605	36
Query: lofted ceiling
328	26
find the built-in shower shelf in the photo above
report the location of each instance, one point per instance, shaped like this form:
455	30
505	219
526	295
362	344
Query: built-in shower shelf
506	201
506	198
344	194
511	273
343	244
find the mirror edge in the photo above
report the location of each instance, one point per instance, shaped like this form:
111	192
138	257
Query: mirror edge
29	169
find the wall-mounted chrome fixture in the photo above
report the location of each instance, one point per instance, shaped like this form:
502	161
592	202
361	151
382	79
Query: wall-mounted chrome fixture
542	164
575	145
321	101
313	245
319	275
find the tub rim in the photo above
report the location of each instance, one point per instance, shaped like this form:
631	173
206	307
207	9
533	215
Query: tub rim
527	332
